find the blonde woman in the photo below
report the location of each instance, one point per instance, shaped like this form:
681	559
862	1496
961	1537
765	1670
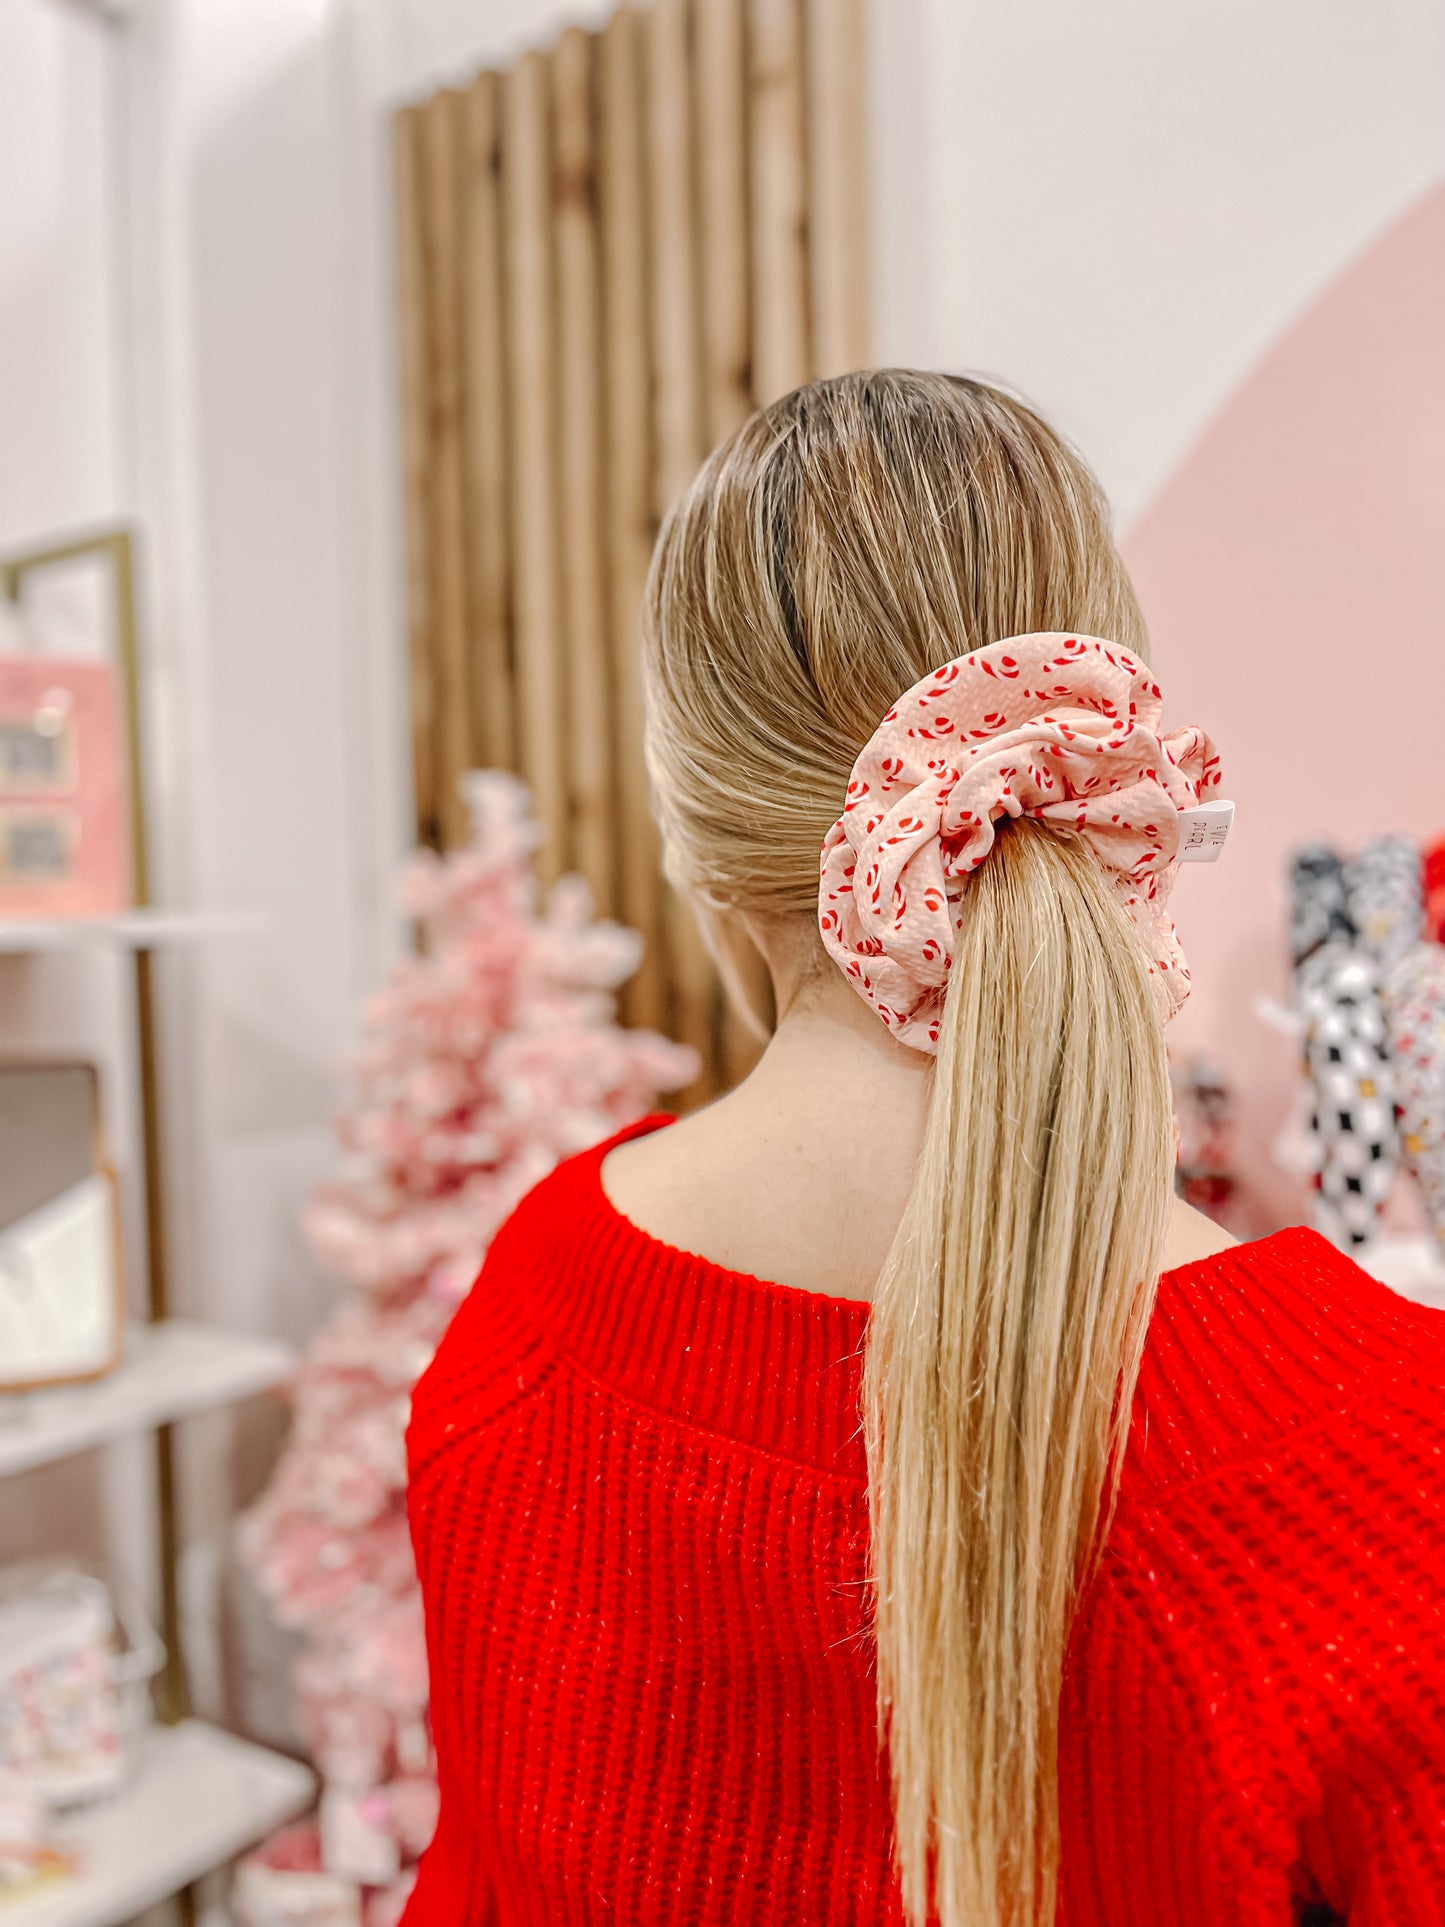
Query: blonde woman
873	1498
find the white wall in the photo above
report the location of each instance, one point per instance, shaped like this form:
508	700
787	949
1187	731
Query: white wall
63	460
250	454
193	337
264	476
1118	207
188	300
61	400
184	318
59	406
411	46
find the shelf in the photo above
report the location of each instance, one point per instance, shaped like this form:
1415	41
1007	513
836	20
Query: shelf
196	1798
131	930
1410	1266
169	1371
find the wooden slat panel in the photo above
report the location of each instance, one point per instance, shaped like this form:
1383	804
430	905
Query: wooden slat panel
627	468
579	388
694	1004
445	469
531	393
782	354
720	71
605	258
676	364
722	214
415	416
491	695
838	185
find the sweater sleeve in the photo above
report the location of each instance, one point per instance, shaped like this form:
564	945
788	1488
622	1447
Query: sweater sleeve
1376	1845
1389	1801
451	1886
1150	1832
1286	1546
1377	1851
1401	1876
487	1366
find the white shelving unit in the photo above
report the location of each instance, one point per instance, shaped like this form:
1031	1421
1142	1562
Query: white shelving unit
169	1371
196	1797
130	930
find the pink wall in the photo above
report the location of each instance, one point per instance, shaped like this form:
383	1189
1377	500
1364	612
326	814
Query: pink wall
1292	576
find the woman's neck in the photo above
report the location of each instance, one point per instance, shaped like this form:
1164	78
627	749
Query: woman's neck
801	1173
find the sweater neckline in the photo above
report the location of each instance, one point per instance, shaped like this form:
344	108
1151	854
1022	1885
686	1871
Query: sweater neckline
775	1366
778	1366
747	1282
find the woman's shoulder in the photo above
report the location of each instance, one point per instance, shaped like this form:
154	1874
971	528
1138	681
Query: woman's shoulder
1265	1345
552	1229
573	1290
502	1342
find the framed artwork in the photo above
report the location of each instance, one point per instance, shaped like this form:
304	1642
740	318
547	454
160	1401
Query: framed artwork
64	834
72	832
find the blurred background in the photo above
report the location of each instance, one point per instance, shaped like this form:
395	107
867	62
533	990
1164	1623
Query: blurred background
349	352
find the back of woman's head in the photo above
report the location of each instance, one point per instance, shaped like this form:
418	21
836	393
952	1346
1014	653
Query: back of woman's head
843	544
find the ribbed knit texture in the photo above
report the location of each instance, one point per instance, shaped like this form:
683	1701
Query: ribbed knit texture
639	1509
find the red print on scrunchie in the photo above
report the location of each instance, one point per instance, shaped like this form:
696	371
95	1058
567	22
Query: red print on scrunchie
1057	727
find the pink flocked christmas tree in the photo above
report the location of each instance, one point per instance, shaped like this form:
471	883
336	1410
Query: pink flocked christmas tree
487	1058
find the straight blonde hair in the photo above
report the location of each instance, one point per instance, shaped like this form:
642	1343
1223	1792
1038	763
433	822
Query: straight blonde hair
841	545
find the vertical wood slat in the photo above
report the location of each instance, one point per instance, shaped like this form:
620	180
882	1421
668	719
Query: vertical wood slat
446	474
677	399
531	339
590	762
721	79
491	695
627	462
415	439
695	1007
838	185
605	257
722	214
782	352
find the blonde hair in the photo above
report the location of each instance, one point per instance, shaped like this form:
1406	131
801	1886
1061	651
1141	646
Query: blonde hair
844	542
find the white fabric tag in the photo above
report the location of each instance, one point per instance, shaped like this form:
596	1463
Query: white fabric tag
1202	831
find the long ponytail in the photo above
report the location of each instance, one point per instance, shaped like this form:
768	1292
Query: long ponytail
1004	1343
842	544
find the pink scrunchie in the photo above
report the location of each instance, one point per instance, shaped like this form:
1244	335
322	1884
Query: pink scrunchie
1058	727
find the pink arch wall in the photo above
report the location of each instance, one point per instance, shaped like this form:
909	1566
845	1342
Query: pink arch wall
1293	576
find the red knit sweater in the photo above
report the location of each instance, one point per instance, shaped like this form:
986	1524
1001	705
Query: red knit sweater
638	1505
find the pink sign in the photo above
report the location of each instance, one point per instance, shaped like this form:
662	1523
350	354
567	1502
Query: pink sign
63	818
